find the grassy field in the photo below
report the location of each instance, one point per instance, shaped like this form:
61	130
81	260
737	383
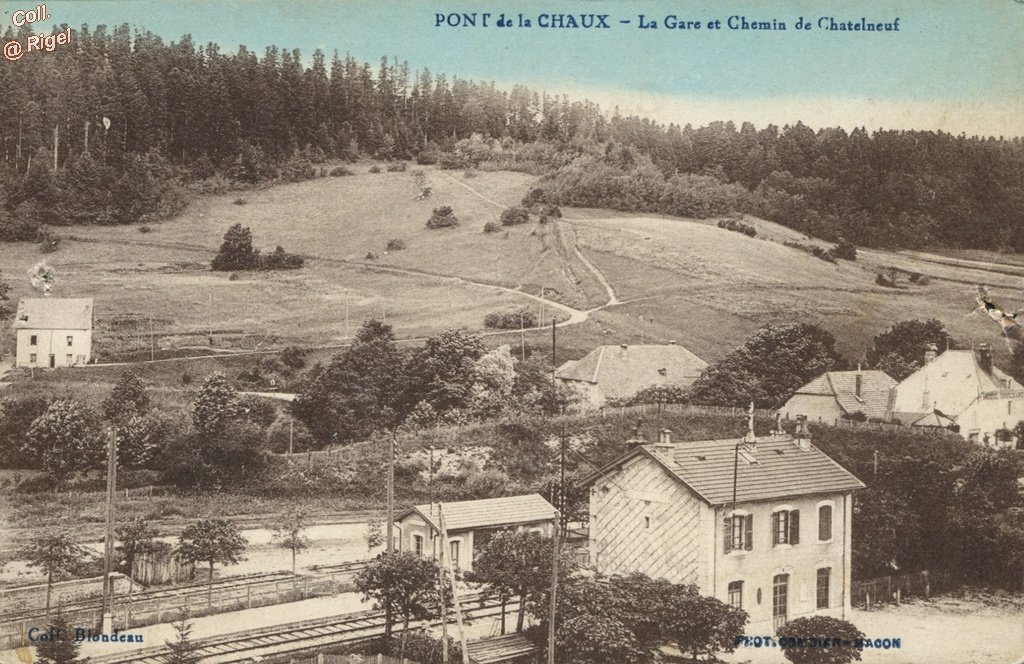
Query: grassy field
676	279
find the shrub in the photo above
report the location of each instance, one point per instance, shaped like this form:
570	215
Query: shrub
340	171
396	244
451	161
396	167
885	280
375	169
491	227
846	250
427	158
186	378
280	260
738	226
550	211
535	196
145	229
828	255
443	217
470	173
239	201
49	241
514	215
796	639
511	320
294	357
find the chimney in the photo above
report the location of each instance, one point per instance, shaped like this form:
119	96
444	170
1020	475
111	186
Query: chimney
750	440
860	384
664	444
638	436
803	434
985	357
931	351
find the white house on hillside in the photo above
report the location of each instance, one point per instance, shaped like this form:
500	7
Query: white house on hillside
760	523
53	332
962	386
619	372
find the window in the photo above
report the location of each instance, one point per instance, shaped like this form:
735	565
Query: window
69	359
739	529
780	600
736	594
823	576
647	522
786	527
824	523
32	358
417	544
33	340
455	553
71	340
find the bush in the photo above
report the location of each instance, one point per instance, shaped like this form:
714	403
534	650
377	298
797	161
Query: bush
340	171
443	217
797	638
49	241
548	211
511	320
145	229
375	169
470	173
514	215
396	244
738	226
535	196
491	227
828	255
396	167
280	260
239	201
845	250
294	357
451	161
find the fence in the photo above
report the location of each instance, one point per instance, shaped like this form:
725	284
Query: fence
130	611
886	589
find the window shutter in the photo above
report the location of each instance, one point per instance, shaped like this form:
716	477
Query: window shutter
748	532
794	527
727	531
775	527
825	522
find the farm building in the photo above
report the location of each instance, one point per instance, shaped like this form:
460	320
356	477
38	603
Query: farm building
837	394
762	524
470	523
619	372
53	332
964	387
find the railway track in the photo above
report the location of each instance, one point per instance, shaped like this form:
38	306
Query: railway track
295	637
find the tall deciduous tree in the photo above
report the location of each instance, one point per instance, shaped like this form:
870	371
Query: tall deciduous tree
290	533
211	541
236	252
57	555
129	397
135	538
899	351
215	405
63	441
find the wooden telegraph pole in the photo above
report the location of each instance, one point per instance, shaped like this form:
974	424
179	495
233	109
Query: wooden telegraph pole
455	588
554	593
108	548
391	494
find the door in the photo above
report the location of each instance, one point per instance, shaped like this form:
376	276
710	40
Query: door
780	600
53	361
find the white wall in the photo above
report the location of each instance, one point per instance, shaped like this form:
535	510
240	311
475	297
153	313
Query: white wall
54	342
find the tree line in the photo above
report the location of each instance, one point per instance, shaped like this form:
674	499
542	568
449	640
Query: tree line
184	113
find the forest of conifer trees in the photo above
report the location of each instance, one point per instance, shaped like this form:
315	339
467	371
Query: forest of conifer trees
185	117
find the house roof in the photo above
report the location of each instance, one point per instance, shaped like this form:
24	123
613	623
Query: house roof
936	418
950	383
54	313
488	512
622	371
496	649
875	399
779	469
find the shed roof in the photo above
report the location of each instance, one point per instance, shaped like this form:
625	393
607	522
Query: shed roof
488	512
780	469
54	313
499	649
622	371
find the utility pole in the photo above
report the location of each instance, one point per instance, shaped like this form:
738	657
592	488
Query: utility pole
522	337
56	134
430	481
291	436
210	320
876	463
441	598
563	522
554	596
108	545
553	354
391	494
152	341
346	315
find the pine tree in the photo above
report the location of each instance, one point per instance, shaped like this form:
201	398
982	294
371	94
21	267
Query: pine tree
182	650
63	649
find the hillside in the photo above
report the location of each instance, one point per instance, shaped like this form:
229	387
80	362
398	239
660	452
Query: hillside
665	278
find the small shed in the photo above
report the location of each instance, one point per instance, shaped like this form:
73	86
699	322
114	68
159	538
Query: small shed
470	523
510	649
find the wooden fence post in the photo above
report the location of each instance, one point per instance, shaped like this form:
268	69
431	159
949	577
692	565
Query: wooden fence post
867	601
319	658
927	585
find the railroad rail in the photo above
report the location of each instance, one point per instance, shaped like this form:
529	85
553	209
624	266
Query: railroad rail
290	638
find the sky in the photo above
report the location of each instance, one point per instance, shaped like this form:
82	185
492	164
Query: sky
955	66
